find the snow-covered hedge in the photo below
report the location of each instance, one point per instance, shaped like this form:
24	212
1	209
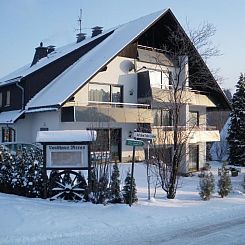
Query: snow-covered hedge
21	174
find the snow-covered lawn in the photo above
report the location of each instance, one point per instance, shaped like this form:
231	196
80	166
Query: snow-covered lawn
184	220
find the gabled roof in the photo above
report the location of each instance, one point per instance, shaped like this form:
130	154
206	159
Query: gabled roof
73	78
9	117
58	53
64	86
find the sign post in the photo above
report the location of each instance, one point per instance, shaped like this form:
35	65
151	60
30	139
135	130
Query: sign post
149	137
133	143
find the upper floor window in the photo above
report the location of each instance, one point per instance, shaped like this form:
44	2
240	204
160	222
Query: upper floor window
6	99
193	118
162	117
161	79
1	99
105	93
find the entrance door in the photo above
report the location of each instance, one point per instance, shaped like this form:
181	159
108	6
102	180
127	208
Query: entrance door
193	158
108	144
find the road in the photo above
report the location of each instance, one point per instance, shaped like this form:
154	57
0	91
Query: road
228	232
231	232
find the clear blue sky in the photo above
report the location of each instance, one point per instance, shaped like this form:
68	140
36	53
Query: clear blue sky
25	23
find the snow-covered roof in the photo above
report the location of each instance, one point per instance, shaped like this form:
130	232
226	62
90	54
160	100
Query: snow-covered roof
9	117
89	64
56	54
66	136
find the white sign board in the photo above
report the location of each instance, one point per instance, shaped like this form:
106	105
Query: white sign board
67	156
140	135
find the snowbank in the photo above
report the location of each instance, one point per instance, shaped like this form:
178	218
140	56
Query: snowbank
186	219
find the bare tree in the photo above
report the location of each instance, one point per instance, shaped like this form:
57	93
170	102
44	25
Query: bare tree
182	66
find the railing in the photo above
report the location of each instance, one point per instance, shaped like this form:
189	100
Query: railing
110	104
186	128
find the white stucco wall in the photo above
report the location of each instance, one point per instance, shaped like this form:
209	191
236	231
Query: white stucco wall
117	73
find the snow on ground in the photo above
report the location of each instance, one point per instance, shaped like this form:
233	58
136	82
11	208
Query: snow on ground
184	220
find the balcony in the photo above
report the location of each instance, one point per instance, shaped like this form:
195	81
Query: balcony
185	135
106	112
187	96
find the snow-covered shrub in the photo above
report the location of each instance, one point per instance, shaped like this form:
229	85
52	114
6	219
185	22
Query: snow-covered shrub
6	171
21	174
115	195
224	183
127	189
99	194
207	186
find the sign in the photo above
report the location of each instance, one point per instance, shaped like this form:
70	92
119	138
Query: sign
67	156
140	135
133	142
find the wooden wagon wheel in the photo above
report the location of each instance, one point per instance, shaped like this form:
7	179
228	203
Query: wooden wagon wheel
67	185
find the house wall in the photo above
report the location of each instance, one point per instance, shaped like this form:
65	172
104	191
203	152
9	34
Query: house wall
117	73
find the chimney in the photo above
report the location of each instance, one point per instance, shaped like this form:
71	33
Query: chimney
96	30
40	53
81	37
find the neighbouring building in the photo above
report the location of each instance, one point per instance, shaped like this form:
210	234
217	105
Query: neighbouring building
109	82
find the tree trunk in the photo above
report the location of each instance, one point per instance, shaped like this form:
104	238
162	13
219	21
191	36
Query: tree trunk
171	192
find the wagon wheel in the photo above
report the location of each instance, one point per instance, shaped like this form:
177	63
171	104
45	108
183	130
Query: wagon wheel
67	185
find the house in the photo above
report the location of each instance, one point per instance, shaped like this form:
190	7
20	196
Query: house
114	83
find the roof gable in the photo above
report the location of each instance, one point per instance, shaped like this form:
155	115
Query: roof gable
73	78
66	84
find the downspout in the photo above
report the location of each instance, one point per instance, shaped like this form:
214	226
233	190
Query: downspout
22	93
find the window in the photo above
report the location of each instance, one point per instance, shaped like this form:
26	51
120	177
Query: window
193	118
160	79
170	78
1	99
107	144
162	117
105	93
8	134
98	92
7	103
193	157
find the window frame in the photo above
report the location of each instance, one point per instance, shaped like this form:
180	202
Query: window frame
111	86
8	134
191	124
162	119
8	98
1	99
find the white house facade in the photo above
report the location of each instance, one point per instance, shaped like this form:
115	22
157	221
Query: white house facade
111	83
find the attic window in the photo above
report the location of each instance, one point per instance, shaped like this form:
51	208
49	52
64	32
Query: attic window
1	99
7	98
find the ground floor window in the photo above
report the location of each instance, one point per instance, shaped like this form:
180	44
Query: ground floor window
193	157
8	134
162	153
107	144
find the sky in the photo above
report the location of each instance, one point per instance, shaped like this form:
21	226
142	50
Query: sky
25	23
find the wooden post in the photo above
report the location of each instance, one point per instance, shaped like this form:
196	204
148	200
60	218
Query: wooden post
89	169
45	179
132	176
